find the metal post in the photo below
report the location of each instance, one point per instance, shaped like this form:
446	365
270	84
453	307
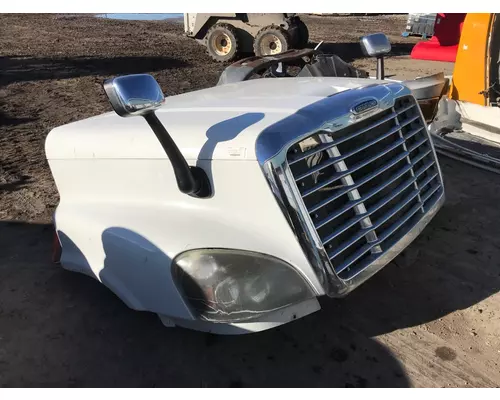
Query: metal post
380	68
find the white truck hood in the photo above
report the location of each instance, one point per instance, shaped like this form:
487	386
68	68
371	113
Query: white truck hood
221	122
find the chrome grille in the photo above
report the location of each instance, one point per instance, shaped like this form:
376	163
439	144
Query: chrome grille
366	185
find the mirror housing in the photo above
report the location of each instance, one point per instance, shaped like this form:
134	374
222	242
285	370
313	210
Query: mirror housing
141	95
376	45
133	95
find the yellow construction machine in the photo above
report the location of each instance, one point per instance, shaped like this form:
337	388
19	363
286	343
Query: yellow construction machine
467	122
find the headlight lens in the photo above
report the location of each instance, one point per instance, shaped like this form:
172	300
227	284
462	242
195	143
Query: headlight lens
233	285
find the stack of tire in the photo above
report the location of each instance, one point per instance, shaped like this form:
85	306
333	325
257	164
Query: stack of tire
222	44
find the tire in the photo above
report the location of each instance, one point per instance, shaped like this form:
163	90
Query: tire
222	43
299	33
271	40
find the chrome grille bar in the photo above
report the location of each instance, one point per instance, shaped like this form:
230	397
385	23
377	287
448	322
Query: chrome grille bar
398	124
335	160
349	171
393	162
372	210
398	175
326	146
364	182
400	189
393	211
359	207
366	248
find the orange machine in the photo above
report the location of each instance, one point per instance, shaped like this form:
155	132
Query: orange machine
467	123
476	72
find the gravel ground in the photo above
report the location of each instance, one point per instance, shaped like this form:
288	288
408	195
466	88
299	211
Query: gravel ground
430	318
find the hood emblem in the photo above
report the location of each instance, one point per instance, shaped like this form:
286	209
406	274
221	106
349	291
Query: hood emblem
364	106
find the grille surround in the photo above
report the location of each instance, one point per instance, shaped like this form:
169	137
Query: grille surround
331	119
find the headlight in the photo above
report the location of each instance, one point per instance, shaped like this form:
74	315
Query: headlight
232	285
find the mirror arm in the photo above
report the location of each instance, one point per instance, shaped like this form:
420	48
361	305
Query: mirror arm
380	68
185	179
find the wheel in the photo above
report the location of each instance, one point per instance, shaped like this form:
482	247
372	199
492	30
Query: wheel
221	42
271	40
300	34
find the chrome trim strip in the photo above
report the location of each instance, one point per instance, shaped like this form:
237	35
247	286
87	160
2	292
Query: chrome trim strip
361	182
334	160
326	146
354	168
395	249
400	189
387	216
329	115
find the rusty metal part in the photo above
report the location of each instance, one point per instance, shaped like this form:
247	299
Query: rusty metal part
448	120
244	69
453	150
265	62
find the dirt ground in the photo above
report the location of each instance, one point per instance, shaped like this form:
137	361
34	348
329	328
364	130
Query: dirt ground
430	318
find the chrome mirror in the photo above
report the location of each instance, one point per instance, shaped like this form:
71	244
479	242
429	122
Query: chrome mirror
140	95
375	45
132	95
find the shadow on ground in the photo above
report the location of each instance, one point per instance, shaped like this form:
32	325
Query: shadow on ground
23	69
11	178
60	328
6	120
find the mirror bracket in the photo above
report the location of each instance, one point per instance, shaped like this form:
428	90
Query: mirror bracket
204	189
380	68
140	95
376	45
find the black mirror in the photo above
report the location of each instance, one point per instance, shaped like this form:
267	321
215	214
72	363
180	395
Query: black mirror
376	45
132	95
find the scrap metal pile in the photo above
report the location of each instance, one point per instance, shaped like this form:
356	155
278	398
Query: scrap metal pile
444	114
